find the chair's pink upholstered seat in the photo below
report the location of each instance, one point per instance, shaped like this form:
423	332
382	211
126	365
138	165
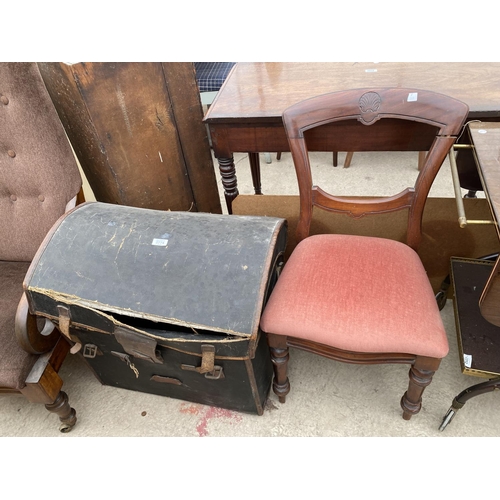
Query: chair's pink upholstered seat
15	363
357	293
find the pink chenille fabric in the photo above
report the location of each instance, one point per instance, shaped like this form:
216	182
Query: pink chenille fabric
357	293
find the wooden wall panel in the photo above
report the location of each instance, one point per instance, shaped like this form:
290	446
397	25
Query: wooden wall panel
137	131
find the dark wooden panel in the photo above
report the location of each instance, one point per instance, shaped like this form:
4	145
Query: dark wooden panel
81	132
478	339
135	144
184	96
410	136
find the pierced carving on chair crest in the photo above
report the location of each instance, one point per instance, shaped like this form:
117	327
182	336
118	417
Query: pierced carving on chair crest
369	104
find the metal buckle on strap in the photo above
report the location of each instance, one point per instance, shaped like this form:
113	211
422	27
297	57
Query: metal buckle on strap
208	366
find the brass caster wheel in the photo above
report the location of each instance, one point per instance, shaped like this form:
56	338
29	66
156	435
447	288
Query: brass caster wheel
65	428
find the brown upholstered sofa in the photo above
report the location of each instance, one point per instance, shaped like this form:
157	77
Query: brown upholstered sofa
39	181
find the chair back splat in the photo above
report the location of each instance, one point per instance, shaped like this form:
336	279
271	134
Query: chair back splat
362	299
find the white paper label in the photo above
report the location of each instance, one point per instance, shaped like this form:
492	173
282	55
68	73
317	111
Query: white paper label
370	70
412	96
482	131
159	242
468	360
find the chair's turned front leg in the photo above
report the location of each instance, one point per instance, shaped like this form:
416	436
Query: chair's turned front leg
63	410
420	374
279	356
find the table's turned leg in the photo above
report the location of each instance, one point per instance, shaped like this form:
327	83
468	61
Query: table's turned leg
254	160
229	182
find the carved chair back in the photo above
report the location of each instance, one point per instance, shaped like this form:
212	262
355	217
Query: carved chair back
379	119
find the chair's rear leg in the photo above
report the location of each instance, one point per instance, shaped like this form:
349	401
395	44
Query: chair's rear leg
348	159
442	294
471	194
420	374
279	356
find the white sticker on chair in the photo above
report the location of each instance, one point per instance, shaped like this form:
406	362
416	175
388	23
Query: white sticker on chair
412	96
468	360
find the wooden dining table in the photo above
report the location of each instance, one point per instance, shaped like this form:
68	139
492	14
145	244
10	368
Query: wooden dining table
245	117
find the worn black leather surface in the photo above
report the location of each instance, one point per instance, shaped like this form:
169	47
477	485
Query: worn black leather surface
207	271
